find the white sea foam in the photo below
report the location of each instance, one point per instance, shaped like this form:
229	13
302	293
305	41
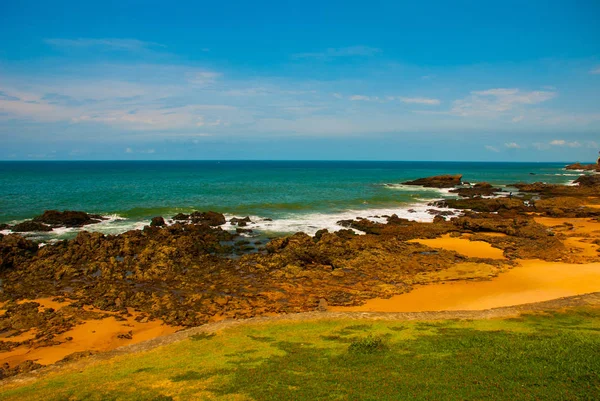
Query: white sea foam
312	222
418	188
308	223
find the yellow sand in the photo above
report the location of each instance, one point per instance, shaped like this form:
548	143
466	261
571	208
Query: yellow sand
533	281
93	335
473	249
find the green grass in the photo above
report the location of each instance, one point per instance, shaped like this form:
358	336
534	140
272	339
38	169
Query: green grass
547	357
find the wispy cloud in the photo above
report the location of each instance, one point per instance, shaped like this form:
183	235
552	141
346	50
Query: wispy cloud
492	148
204	77
363	98
595	70
130	45
332	53
512	145
495	102
562	142
420	100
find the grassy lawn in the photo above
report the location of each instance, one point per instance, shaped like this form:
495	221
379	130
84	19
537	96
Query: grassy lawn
548	357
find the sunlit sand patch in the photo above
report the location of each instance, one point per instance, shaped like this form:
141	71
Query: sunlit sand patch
582	246
579	225
472	249
92	335
532	281
28	335
459	271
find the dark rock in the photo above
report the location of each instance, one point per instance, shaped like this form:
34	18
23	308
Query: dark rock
438	181
395	220
68	218
4	226
126	336
479	189
345	234
586	167
240	222
588	180
15	249
243	230
157	222
27	366
31	226
209	218
483	205
439	219
345	223
320	233
436	212
181	216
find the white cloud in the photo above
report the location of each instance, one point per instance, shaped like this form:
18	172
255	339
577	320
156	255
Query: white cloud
492	148
132	45
203	77
495	102
512	145
595	70
362	98
518	119
128	150
420	100
331	53
496	92
562	142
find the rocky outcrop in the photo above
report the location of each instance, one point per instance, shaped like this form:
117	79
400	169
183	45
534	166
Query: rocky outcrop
552	190
240	222
27	366
588	180
585	167
181	217
68	218
193	272
212	219
14	250
479	189
484	205
30	226
157	222
438	181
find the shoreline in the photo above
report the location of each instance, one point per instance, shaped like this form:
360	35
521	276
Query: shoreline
163	274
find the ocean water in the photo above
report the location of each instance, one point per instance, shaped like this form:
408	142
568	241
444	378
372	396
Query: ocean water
280	196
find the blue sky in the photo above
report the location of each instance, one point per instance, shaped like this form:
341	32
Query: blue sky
377	80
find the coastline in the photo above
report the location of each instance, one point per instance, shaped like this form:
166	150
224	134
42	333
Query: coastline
394	260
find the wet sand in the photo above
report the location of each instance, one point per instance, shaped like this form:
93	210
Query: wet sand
579	225
533	281
462	245
92	335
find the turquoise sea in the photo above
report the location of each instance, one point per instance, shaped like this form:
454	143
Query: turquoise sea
296	195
